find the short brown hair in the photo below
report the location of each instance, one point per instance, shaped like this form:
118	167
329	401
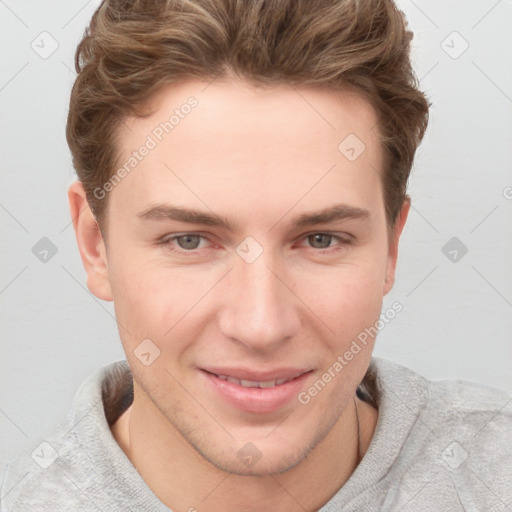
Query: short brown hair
133	48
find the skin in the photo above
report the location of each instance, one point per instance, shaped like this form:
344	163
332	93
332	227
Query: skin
259	158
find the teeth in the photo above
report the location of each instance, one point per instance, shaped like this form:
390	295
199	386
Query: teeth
253	383
249	383
268	384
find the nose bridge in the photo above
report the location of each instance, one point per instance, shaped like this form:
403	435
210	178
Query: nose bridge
258	309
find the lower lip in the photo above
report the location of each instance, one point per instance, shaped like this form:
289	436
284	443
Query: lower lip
257	400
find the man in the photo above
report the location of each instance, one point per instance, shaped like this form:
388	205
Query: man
242	191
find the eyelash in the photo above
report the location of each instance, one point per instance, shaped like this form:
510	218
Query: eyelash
166	242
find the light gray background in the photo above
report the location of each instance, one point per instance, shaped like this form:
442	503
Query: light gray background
457	319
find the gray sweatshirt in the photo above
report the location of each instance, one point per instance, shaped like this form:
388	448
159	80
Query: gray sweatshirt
438	446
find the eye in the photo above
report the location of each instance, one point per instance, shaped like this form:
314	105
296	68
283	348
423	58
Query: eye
184	242
320	240
188	241
323	241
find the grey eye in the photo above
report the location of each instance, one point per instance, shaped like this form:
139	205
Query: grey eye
322	239
189	241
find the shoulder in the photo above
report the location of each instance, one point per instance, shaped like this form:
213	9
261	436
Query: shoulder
454	401
477	414
460	440
44	476
56	472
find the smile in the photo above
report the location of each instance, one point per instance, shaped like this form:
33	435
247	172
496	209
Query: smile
263	393
253	383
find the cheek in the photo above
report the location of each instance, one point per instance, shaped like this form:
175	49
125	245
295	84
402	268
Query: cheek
350	301
155	302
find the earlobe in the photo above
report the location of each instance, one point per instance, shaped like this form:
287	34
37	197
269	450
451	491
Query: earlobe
389	278
90	243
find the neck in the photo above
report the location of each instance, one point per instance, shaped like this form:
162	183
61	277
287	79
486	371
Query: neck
183	480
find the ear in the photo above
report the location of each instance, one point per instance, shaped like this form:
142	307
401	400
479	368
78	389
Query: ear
90	242
393	245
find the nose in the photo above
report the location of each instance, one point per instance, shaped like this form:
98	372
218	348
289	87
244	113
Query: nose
258	306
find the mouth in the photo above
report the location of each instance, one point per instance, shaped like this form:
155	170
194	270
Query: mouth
261	393
253	383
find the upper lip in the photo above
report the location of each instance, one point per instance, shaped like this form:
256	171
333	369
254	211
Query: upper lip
258	376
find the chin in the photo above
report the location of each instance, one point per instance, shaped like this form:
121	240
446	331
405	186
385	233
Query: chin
261	452
250	461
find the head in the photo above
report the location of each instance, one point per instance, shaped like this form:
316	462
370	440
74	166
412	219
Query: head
289	127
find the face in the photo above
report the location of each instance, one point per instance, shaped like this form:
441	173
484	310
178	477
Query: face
244	243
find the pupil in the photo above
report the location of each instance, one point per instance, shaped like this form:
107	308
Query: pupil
190	241
323	239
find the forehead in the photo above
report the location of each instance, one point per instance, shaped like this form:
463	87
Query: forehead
227	106
229	142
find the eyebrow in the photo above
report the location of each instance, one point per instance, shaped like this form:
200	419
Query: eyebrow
333	213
